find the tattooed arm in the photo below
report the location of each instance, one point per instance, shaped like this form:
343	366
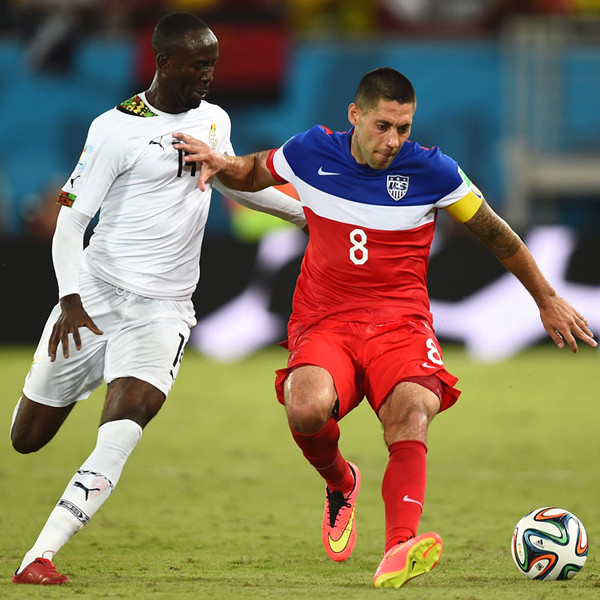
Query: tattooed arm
561	321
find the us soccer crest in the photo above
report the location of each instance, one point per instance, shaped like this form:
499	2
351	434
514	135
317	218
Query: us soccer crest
397	186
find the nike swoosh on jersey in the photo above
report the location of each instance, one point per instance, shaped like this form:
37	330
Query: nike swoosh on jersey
429	366
339	544
321	172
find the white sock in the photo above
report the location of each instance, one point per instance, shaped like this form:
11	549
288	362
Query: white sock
88	488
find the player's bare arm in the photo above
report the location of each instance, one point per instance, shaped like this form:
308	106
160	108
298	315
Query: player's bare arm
561	321
247	173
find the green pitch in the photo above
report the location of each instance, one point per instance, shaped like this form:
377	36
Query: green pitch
217	502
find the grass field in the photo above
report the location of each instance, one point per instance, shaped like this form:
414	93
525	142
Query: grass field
217	502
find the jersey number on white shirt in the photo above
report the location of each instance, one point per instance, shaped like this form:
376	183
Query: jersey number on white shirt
182	164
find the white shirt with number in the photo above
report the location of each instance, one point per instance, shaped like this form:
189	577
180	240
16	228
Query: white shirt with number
152	214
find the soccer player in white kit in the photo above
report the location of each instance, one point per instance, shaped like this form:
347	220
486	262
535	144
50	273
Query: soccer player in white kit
126	298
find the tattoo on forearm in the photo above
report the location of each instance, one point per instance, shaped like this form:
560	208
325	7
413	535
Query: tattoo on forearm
494	233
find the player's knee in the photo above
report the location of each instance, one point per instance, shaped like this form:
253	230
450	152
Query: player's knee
406	420
133	399
412	424
310	396
23	444
309	413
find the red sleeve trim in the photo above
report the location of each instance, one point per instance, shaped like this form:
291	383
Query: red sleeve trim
271	166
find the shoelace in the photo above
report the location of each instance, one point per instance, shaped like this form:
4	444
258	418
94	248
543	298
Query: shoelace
336	502
46	562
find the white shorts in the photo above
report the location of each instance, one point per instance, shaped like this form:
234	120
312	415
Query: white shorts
143	338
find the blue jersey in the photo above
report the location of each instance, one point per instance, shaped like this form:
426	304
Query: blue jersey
370	230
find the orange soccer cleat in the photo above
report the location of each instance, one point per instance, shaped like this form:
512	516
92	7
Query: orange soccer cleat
339	522
407	560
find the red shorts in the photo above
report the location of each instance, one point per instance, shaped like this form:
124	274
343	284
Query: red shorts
367	360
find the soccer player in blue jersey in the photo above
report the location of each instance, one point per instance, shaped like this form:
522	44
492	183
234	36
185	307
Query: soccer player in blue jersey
361	325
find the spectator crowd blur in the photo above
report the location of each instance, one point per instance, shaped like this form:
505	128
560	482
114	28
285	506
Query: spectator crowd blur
256	37
303	17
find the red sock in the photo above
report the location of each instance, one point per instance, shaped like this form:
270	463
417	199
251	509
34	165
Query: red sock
322	452
403	490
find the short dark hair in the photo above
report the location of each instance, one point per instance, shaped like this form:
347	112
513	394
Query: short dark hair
384	83
170	30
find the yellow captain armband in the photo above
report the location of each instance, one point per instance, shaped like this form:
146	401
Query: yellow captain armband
466	207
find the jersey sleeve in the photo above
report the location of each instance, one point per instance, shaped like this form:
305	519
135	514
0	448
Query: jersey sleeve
468	203
104	157
272	168
221	129
460	198
281	161
67	248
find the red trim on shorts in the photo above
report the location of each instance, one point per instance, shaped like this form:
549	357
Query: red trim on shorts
437	384
430	382
271	166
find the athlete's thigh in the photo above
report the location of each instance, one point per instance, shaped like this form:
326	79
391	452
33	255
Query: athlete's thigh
407	351
150	348
329	346
408	410
35	424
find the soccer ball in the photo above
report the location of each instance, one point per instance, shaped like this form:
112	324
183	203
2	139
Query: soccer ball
549	543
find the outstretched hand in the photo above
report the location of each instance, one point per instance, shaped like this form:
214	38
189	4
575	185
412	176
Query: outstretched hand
72	317
209	161
563	324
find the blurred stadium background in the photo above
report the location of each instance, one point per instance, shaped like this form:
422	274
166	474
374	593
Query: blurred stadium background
510	89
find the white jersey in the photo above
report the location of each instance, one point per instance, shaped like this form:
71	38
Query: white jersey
152	214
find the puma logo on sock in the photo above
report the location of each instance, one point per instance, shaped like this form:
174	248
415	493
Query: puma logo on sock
86	489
